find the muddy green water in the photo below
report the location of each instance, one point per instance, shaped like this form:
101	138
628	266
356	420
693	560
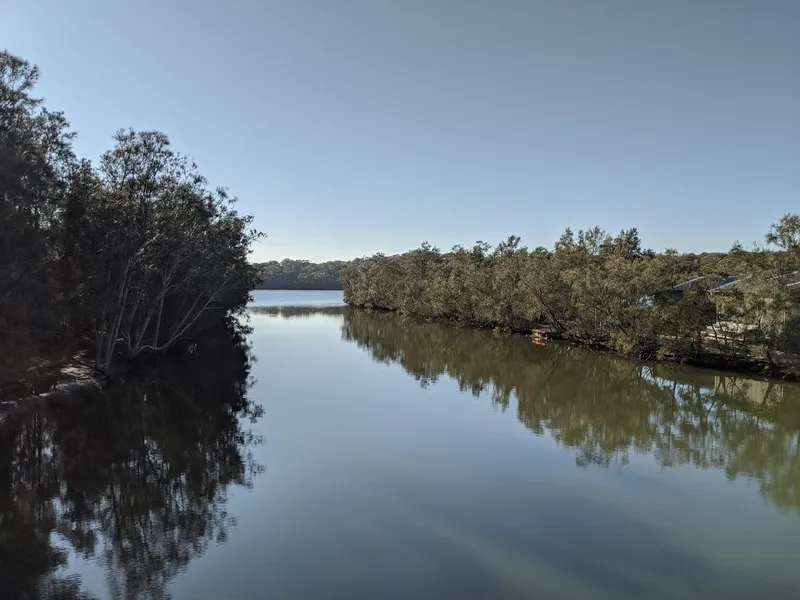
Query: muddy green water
370	456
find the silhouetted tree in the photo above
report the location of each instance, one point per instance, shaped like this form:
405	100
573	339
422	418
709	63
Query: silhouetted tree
131	256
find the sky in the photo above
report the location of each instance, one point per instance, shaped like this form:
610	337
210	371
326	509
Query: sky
350	127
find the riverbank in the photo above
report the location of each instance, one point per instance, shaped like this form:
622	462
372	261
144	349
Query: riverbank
54	383
75	379
784	366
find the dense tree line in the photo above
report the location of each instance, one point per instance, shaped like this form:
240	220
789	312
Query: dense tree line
602	407
598	290
291	274
123	257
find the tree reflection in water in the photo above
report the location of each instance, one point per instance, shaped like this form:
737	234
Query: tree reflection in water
602	407
297	312
135	479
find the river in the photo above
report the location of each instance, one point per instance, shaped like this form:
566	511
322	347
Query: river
328	452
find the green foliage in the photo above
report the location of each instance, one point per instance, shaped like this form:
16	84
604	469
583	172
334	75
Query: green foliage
129	256
592	288
35	154
785	234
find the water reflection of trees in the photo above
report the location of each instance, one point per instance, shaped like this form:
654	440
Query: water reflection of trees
605	408
134	479
297	312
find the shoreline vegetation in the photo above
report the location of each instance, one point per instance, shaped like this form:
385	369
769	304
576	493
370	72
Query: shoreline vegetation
110	264
64	383
736	311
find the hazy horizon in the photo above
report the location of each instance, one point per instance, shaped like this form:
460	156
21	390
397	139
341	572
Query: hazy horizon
360	126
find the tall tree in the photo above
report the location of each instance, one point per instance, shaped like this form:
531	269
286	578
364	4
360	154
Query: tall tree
35	155
131	256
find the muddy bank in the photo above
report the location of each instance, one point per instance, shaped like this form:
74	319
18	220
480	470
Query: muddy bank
76	380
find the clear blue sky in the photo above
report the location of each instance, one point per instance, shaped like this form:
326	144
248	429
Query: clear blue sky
353	126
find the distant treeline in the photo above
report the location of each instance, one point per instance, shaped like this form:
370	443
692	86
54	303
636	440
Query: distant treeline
604	291
291	274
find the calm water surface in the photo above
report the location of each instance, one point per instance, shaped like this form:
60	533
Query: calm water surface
277	298
370	456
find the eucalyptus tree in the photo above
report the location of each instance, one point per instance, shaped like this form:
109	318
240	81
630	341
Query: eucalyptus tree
785	234
597	289
130	255
35	155
507	306
175	252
